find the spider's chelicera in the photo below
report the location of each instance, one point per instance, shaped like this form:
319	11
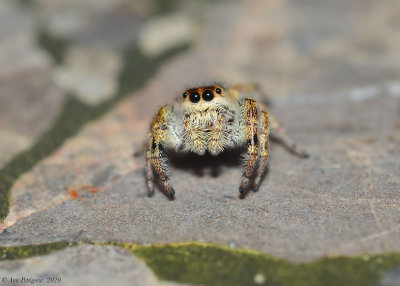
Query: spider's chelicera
213	119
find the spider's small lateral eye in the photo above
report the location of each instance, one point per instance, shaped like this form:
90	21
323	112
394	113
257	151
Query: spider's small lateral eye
208	95
218	90
194	97
184	94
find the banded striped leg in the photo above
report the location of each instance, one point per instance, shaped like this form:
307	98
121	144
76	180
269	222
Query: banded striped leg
156	155
149	169
264	149
251	120
278	134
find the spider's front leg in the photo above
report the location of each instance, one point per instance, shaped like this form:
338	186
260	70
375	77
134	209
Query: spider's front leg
263	134
156	154
251	119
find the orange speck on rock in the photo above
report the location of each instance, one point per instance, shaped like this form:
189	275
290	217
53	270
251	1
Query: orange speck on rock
90	189
74	194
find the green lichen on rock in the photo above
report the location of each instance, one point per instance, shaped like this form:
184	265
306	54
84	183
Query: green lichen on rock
207	264
55	46
210	264
25	251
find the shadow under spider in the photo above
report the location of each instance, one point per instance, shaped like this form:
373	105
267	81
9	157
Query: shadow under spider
200	164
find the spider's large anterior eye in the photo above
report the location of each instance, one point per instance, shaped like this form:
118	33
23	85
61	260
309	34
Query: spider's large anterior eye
218	90
208	95
194	97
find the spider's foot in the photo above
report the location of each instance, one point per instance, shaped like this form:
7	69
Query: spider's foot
242	196
242	192
298	152
171	195
255	190
150	194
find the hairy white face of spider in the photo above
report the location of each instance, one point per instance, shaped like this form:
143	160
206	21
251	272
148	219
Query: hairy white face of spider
209	120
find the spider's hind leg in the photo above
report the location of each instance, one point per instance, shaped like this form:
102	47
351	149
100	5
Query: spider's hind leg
140	148
255	89
279	135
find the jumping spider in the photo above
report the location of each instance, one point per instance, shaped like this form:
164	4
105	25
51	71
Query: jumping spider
213	119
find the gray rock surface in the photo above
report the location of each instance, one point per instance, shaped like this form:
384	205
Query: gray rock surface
161	34
113	24
81	265
391	278
32	90
90	73
334	86
29	99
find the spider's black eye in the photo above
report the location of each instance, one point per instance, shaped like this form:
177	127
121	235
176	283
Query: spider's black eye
194	97
208	95
184	94
218	90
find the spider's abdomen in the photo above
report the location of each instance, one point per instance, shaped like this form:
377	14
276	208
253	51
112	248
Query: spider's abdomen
212	129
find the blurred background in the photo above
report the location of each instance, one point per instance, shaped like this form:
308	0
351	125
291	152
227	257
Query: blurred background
72	60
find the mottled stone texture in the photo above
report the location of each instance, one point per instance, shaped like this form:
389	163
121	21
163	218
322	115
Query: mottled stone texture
332	71
391	278
29	99
82	265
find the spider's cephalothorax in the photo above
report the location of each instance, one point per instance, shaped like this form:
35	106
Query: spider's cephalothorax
212	118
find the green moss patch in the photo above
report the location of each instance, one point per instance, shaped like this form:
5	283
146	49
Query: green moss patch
55	46
20	252
206	264
209	264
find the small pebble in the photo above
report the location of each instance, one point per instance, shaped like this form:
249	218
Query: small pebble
259	278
